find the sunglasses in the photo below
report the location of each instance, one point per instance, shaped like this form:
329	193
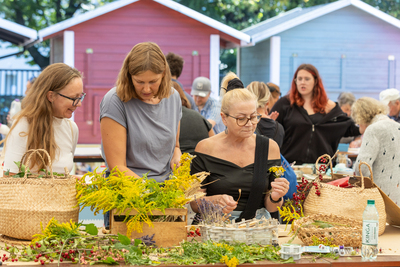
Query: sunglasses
273	89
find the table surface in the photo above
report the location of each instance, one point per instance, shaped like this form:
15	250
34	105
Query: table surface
390	255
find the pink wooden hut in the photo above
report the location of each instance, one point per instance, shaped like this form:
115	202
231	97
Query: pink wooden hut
97	42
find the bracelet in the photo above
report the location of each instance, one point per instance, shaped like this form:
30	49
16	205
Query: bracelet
275	201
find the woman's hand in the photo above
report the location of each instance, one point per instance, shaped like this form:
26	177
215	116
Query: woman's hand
274	115
227	203
176	157
280	186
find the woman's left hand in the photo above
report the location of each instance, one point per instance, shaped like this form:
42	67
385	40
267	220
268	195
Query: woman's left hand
280	186
176	158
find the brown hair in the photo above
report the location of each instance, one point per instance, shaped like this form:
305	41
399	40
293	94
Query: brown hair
38	110
143	57
175	63
185	101
320	98
260	89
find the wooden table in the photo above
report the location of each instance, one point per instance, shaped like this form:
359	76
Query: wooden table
323	262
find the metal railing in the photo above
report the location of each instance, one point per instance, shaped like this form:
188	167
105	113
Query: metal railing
12	86
13	82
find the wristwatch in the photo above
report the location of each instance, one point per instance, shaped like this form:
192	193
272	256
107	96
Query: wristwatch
275	201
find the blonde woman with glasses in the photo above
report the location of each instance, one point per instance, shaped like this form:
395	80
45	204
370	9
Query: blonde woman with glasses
239	159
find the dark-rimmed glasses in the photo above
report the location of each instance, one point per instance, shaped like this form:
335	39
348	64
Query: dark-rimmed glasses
75	101
242	121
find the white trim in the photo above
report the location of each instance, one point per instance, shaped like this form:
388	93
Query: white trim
299	20
376	12
214	65
238	62
28	33
69	48
121	3
275	60
261	36
69	52
280	15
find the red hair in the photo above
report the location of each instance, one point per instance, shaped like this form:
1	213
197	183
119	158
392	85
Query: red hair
319	98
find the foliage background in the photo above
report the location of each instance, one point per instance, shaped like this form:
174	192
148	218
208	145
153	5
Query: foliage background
239	14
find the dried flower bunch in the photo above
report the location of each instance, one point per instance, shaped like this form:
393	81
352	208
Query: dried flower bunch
277	171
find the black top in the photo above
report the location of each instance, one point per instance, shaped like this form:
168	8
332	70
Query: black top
304	140
229	177
272	129
194	128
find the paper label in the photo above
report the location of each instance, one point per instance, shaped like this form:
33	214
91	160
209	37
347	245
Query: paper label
370	233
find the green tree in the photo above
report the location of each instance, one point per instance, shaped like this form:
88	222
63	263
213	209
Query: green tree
39	14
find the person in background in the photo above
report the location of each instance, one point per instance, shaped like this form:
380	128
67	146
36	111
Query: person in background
275	95
313	124
208	107
391	98
230	158
175	63
345	101
380	145
43	122
266	126
29	84
194	127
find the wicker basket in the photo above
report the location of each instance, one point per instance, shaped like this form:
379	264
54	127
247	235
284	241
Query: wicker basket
263	232
338	235
26	202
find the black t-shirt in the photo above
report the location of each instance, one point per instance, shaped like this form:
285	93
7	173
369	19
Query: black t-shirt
194	128
272	129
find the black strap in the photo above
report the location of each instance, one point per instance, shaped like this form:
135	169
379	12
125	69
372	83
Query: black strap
276	130
259	178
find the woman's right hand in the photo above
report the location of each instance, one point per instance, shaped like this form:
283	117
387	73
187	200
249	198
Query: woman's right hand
227	203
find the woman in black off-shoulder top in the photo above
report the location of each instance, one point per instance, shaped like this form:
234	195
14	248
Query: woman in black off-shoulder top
230	158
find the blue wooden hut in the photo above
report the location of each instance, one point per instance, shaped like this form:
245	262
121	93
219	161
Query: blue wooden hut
354	46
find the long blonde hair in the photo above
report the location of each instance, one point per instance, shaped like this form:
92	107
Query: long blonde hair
143	57
38	110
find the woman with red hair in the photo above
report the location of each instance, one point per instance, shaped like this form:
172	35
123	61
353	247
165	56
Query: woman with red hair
313	123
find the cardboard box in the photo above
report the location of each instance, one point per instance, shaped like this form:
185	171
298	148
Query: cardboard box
167	234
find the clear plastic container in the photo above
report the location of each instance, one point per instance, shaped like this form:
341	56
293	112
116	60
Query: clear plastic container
291	250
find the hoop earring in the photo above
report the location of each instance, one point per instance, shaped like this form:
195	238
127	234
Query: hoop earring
226	130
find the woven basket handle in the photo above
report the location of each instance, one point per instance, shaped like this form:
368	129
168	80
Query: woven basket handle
329	161
362	177
37	151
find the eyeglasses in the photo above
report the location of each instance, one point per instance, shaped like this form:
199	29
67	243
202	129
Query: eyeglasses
273	89
242	121
75	101
299	80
